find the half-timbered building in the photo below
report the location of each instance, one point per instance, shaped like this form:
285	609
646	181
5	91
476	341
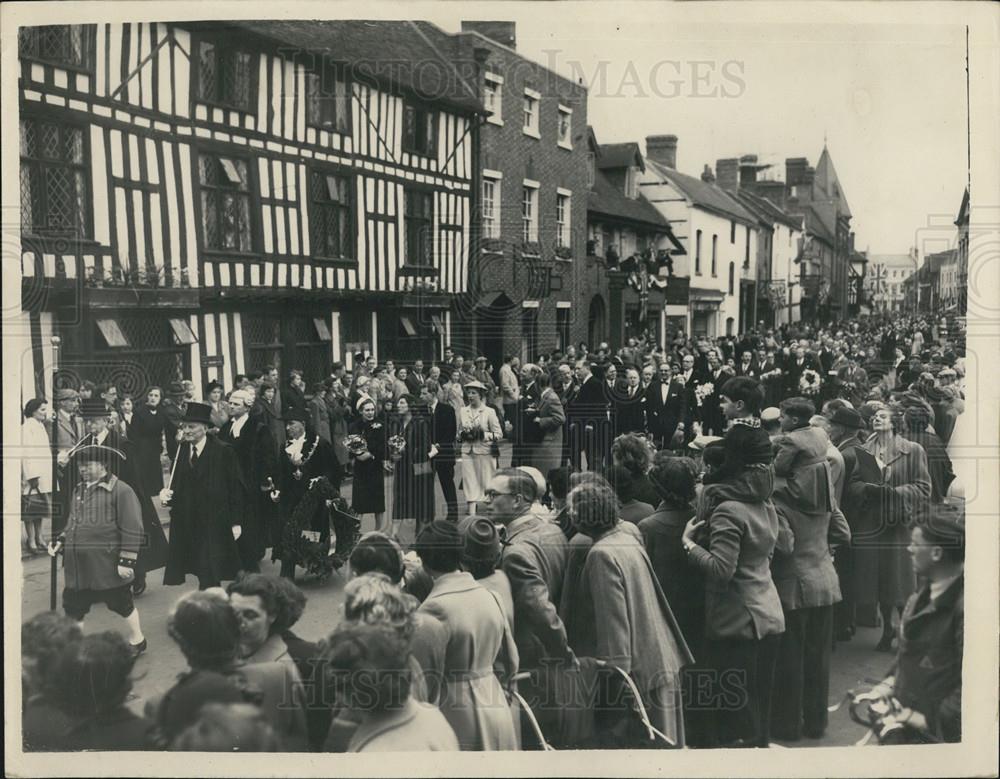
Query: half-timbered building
200	200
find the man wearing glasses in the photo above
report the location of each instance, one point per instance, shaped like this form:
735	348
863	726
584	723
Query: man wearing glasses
534	558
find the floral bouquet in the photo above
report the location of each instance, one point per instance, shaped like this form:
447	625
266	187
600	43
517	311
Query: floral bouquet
809	383
396	444
470	433
702	391
356	444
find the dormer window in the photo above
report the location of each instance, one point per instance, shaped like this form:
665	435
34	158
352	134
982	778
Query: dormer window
493	97
225	76
632	182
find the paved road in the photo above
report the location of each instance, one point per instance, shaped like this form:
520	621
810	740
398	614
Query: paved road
157	668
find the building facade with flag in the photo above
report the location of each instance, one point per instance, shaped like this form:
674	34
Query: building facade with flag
201	200
629	235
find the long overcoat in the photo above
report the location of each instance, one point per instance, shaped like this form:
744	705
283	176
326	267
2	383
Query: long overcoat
208	502
472	699
883	572
254	448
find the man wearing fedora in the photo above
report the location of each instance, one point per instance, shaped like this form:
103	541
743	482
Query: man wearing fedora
101	541
206	499
153	549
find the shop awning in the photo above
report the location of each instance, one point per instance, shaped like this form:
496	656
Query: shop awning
408	327
182	332
438	324
112	333
321	328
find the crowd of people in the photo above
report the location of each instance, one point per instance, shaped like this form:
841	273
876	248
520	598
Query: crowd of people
676	522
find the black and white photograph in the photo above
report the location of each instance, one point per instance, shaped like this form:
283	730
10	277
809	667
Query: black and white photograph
610	385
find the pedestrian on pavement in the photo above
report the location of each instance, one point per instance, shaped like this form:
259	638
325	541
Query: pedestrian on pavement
251	440
368	487
550	418
36	475
91	680
478	429
366	665
101	542
206	502
620	616
147	434
207	630
480	653
882	569
413	480
228	727
215	397
443	435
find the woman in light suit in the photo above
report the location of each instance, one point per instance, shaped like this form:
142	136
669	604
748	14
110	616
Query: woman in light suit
478	428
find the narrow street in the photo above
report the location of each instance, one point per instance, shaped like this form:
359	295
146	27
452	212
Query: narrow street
852	663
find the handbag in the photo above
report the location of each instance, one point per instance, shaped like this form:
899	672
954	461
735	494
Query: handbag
34	505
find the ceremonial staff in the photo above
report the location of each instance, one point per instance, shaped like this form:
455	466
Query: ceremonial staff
56	490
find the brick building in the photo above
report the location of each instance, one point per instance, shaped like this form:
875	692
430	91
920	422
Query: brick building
534	288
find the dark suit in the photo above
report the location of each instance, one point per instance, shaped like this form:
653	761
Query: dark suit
712	422
255	453
529	434
794	370
590	429
630	411
444	432
751	369
662	417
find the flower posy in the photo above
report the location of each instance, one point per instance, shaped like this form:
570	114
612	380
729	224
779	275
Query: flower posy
702	391
356	444
397	444
810	382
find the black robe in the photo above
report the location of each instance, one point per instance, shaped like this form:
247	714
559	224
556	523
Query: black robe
322	462
208	502
255	453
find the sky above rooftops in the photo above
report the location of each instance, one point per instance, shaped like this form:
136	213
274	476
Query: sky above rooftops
888	98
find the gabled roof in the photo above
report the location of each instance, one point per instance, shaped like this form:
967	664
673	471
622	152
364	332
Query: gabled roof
708	197
826	185
620	155
387	51
963	210
767	210
607	200
823	222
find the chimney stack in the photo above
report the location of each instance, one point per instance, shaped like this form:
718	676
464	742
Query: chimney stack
748	171
772	190
795	170
727	173
662	149
501	32
707	176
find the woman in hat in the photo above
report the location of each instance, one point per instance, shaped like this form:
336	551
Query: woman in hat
319	411
36	474
101	541
147	435
479	643
478	428
368	489
480	557
413	479
621	616
214	398
268	412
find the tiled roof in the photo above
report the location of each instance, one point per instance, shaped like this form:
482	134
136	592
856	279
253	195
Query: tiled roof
767	209
605	198
707	196
619	155
387	51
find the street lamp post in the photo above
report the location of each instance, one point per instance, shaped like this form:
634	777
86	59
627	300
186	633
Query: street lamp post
56	491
